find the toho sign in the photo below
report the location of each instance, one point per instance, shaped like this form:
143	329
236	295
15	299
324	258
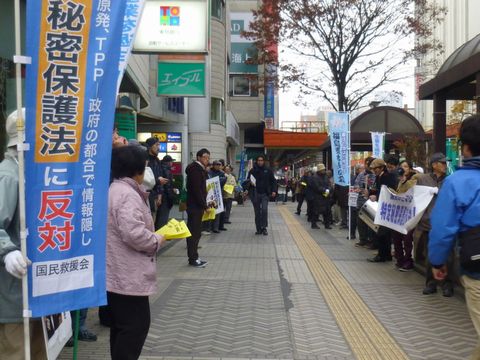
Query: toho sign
181	79
166	27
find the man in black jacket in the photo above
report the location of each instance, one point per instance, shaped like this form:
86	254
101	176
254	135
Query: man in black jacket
383	236
168	195
196	204
320	185
262	186
156	195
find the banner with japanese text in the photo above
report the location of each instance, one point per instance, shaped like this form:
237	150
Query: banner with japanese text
338	130
70	101
378	140
402	212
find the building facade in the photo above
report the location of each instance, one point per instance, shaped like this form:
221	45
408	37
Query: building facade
460	25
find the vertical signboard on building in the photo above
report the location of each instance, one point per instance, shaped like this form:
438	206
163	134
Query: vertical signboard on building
338	130
242	49
70	100
269	96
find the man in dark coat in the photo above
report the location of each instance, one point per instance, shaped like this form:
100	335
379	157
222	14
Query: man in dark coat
168	195
321	193
383	236
196	204
156	195
262	186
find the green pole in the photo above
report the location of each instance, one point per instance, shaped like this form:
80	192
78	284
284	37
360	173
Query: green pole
75	334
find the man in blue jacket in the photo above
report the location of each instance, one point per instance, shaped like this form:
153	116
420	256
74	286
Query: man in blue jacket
457	214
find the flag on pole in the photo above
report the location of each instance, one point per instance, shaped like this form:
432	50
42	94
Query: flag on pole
338	129
70	96
378	140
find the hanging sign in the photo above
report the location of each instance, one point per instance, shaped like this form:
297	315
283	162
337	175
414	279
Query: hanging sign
70	96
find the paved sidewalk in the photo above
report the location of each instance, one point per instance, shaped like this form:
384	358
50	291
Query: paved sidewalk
272	297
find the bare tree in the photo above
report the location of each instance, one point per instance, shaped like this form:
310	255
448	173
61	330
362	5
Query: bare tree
343	50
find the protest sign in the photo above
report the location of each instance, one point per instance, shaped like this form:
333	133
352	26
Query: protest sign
71	90
352	198
214	194
338	130
208	214
402	212
58	330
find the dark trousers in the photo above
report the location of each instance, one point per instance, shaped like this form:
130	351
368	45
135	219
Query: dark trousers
311	210
384	242
194	224
403	245
260	205
364	232
353	221
163	212
327	216
447	283
228	209
300	198
130	324
344	215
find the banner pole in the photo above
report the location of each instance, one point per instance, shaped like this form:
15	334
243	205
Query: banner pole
75	334
349	179
21	179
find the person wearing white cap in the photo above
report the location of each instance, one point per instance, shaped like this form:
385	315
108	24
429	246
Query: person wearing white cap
14	264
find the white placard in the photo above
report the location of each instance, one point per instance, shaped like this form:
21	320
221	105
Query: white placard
214	193
57	329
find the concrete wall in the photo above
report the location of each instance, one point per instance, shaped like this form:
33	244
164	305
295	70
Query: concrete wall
215	142
247	110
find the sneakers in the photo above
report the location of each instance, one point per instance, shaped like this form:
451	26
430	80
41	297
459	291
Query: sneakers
258	232
405	268
361	243
222	229
87	335
429	289
297	212
216	231
206	233
83	335
265	232
198	263
315	226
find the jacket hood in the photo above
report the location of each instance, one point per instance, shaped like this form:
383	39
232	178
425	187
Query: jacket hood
471	163
136	186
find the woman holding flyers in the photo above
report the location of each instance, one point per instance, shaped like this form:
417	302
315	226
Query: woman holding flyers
131	248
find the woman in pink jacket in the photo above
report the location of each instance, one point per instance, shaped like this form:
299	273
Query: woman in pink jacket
131	254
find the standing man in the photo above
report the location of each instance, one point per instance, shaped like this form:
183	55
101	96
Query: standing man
156	195
163	212
300	191
383	236
456	214
438	163
320	185
13	266
262	186
196	204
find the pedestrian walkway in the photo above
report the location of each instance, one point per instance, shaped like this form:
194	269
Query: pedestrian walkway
297	293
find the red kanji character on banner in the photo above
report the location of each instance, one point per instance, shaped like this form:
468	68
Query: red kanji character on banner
56	236
54	204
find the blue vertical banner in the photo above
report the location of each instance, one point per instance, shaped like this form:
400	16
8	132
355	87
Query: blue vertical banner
269	97
377	144
339	132
241	170
70	100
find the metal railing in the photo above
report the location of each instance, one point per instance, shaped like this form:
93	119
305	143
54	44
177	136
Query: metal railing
304	126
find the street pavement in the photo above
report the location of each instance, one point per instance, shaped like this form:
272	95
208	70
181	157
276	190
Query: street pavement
297	293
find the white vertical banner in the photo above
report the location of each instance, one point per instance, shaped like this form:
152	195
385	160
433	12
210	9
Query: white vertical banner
377	144
133	10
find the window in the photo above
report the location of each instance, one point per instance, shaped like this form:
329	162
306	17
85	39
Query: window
217	113
175	105
217	9
244	85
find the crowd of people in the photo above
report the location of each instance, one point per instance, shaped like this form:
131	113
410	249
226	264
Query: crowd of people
142	193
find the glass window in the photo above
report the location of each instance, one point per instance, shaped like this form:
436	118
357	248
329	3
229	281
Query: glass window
217	115
217	9
243	85
175	105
